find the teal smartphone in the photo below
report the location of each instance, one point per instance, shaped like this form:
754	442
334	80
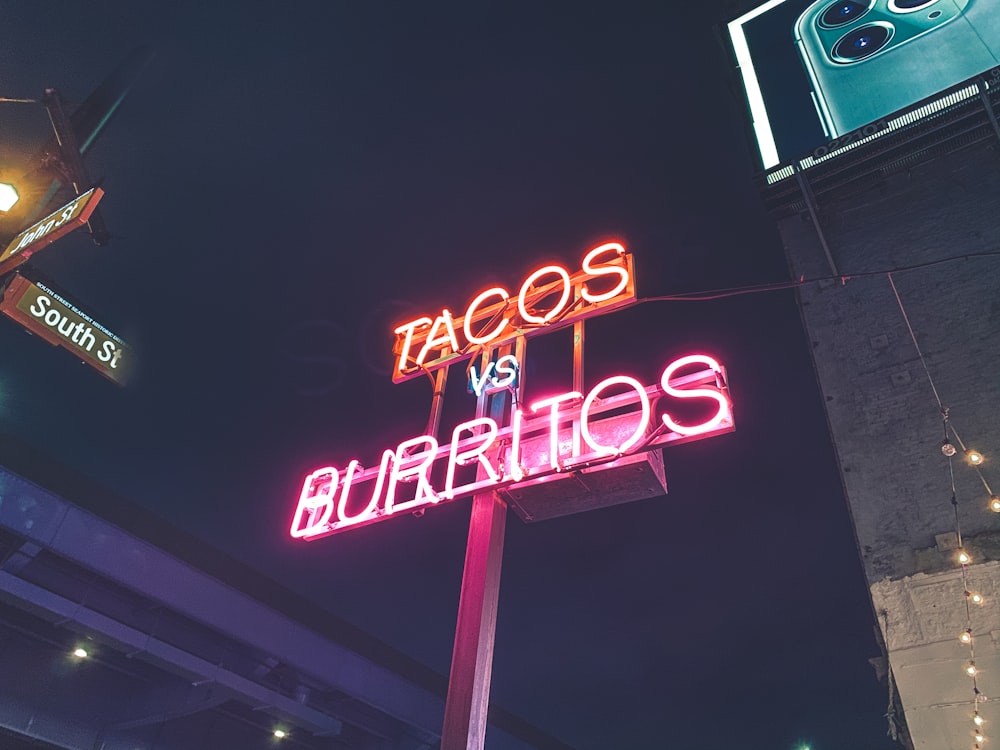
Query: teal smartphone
869	58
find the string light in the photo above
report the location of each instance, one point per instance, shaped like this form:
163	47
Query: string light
975	460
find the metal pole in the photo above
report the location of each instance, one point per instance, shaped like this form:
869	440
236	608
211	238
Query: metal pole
70	150
467	705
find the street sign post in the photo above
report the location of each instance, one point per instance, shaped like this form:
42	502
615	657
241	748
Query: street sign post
57	224
49	315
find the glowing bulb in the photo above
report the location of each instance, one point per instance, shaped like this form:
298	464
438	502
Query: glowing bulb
977	719
80	653
280	734
980	736
974	457
8	196
970	669
974	597
995	503
947	448
966	636
963	557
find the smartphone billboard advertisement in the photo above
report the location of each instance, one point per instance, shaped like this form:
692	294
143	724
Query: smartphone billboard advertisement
828	70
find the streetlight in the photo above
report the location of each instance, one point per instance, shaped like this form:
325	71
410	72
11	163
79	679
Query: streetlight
8	196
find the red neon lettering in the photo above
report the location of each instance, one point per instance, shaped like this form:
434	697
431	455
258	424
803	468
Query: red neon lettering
711	393
434	341
529	282
408	467
474	307
640	428
476	453
553	404
408	329
604	270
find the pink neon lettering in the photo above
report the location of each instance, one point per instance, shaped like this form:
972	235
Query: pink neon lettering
517	421
470	312
529	282
370	509
408	467
477	453
553	404
724	407
640	429
310	503
409	328
434	341
604	270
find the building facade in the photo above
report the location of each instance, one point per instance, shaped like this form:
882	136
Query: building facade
896	241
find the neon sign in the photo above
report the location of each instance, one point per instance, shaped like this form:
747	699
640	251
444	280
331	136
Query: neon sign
540	443
521	445
549	298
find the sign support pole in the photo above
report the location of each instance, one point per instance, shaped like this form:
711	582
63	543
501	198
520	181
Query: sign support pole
472	659
467	705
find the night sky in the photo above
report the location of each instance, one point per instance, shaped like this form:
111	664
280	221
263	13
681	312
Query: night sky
286	182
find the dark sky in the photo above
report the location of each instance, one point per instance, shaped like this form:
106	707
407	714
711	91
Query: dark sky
286	181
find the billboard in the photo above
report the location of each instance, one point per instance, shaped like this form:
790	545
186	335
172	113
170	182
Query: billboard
834	70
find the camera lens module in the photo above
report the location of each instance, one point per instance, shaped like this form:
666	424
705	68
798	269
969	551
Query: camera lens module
862	42
909	6
843	12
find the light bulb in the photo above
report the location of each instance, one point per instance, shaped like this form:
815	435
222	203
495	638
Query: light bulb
970	669
974	597
977	719
280	734
947	448
963	557
995	503
966	636
980	736
80	653
974	457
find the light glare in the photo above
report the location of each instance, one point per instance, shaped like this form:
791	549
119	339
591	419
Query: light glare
8	196
80	653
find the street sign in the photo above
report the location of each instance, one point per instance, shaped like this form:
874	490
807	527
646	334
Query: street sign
47	314
60	222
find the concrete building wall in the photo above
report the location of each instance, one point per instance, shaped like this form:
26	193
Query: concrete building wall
929	222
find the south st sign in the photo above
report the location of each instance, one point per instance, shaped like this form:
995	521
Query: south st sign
544	441
55	319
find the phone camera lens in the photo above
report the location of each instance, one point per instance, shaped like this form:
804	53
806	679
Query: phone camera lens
843	12
908	6
862	42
